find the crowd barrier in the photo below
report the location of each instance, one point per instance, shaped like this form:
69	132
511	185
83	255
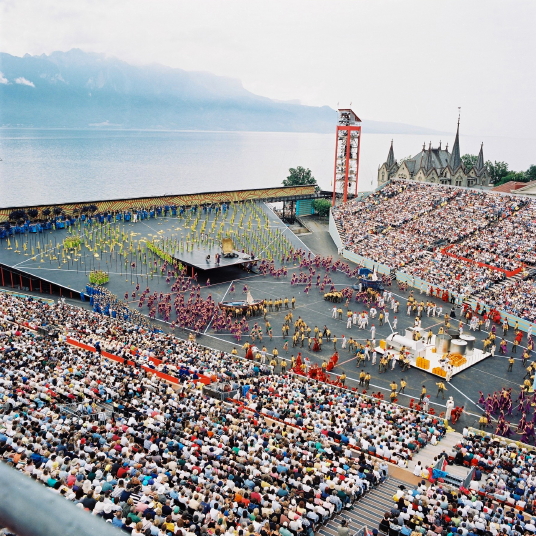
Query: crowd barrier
423	286
31	509
334	232
367	263
507	273
167	377
27	296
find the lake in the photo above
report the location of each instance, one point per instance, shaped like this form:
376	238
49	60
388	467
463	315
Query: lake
41	166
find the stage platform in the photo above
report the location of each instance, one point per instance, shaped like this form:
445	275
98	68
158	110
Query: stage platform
197	258
429	352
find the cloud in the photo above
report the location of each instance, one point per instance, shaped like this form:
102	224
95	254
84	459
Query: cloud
23	82
3	79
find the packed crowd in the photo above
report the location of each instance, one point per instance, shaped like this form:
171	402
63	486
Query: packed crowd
454	219
161	351
500	499
507	245
454	274
506	471
382	210
461	240
516	297
167	460
374	426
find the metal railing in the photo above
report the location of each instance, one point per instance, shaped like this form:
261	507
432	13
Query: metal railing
29	509
467	480
217	391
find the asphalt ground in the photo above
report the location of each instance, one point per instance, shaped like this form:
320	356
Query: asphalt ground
487	376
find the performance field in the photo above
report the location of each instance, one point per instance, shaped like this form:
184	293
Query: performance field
281	295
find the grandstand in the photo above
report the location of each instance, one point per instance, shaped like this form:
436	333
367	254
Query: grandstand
497	497
468	242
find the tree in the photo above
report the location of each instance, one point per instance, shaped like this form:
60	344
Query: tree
469	161
497	170
531	173
321	206
299	177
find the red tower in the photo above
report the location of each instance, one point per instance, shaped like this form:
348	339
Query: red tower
347	146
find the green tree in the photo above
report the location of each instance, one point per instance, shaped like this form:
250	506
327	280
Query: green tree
497	171
299	177
469	160
321	206
531	173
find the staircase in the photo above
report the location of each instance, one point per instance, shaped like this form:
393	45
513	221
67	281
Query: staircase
456	473
368	510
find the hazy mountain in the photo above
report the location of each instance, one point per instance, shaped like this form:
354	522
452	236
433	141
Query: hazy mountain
76	89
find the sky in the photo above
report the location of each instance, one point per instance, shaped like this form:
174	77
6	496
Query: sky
408	61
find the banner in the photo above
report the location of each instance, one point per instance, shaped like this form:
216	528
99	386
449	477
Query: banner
507	273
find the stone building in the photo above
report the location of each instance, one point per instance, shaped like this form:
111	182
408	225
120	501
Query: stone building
436	165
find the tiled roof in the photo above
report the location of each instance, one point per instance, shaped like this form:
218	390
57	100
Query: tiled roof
510	185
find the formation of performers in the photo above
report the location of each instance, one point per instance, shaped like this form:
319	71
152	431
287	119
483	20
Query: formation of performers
501	404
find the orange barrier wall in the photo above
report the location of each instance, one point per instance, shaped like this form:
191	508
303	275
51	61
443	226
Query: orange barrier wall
163	375
508	273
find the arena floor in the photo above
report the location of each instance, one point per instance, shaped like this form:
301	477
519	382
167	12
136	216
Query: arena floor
487	376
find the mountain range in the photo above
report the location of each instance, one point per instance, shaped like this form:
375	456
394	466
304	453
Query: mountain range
78	89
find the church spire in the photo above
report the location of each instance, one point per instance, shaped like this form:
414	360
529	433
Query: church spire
455	158
390	157
428	158
479	166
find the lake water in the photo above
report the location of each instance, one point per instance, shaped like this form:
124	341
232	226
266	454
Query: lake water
52	166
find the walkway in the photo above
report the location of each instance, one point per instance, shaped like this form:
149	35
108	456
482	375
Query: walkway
429	452
368	511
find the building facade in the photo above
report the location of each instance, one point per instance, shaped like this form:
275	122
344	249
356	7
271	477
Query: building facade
436	165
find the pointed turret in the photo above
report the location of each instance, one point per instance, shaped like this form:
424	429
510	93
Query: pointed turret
390	157
423	156
428	158
479	166
455	157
